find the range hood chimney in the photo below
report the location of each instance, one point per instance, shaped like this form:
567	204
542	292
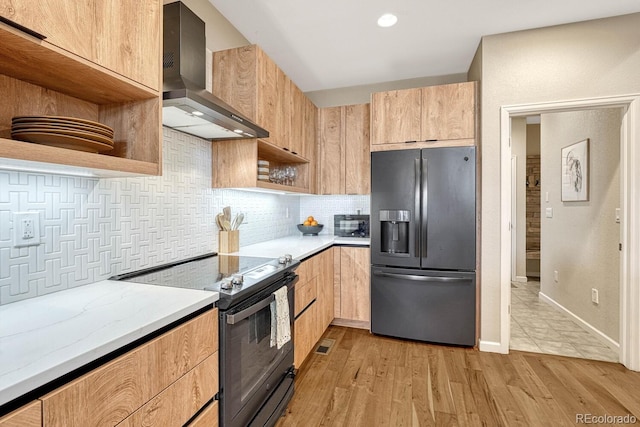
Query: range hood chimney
186	105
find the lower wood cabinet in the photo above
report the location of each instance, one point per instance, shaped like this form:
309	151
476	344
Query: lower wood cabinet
208	417
313	303
305	334
30	415
351	286
176	404
163	382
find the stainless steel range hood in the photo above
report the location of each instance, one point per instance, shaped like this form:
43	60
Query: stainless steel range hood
186	105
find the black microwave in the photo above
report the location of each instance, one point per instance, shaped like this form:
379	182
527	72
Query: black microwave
351	225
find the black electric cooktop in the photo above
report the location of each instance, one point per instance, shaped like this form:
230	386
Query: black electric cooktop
210	272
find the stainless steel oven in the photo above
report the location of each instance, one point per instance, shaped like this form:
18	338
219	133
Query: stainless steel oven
256	377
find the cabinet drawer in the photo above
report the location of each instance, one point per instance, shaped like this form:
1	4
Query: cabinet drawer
30	415
177	403
305	293
208	417
304	335
110	393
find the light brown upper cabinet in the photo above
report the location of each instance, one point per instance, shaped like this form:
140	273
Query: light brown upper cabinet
309	143
123	37
128	38
395	116
343	145
433	116
250	81
100	61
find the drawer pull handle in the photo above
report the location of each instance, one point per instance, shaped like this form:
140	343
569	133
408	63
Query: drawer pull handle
22	28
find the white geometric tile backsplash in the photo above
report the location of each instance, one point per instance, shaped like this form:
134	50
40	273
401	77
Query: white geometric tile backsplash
92	229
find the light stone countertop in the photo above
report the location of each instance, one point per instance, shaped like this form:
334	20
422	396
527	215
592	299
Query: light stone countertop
43	338
300	247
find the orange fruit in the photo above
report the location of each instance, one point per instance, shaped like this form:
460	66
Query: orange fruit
306	223
314	222
310	218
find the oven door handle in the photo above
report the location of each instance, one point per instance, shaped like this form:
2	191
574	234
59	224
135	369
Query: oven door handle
232	319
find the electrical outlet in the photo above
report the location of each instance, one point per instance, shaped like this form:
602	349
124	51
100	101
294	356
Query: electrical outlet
555	276
26	229
594	296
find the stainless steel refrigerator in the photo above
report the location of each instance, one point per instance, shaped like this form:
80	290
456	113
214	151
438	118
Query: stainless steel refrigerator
423	244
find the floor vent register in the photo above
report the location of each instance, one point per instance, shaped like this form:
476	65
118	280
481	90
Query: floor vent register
325	346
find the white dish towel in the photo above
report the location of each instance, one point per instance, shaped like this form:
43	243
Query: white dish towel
280	327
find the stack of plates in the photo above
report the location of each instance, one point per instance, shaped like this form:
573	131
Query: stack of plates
63	132
263	170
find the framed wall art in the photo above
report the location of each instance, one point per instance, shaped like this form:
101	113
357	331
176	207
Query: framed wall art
575	172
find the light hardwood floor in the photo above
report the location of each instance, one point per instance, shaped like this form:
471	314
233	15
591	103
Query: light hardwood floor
368	380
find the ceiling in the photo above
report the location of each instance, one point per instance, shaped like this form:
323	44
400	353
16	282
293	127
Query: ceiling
331	44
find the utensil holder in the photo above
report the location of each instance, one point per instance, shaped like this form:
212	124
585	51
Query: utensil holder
229	241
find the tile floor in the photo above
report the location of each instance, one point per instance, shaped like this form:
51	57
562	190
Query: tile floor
538	327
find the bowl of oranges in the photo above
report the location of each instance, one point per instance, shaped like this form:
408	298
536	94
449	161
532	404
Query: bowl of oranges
310	227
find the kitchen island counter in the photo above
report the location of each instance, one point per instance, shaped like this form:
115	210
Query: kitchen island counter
300	247
44	338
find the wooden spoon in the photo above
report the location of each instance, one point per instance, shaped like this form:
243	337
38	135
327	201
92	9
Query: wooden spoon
219	222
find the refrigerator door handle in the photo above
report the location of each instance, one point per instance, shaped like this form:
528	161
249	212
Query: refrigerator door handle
423	214
421	278
417	214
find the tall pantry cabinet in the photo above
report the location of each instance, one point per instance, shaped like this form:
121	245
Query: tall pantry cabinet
343	149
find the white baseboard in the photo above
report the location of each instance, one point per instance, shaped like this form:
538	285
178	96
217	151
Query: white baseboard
491	347
521	279
583	324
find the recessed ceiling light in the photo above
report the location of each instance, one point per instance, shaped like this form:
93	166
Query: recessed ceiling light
197	113
387	20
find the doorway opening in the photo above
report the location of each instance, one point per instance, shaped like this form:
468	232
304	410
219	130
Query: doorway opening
566	249
628	266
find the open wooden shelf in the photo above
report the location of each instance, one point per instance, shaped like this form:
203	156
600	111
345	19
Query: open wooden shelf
18	155
39	78
268	151
235	165
31	60
280	187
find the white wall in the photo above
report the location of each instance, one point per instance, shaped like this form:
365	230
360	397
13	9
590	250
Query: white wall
575	61
219	31
581	240
362	94
96	228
